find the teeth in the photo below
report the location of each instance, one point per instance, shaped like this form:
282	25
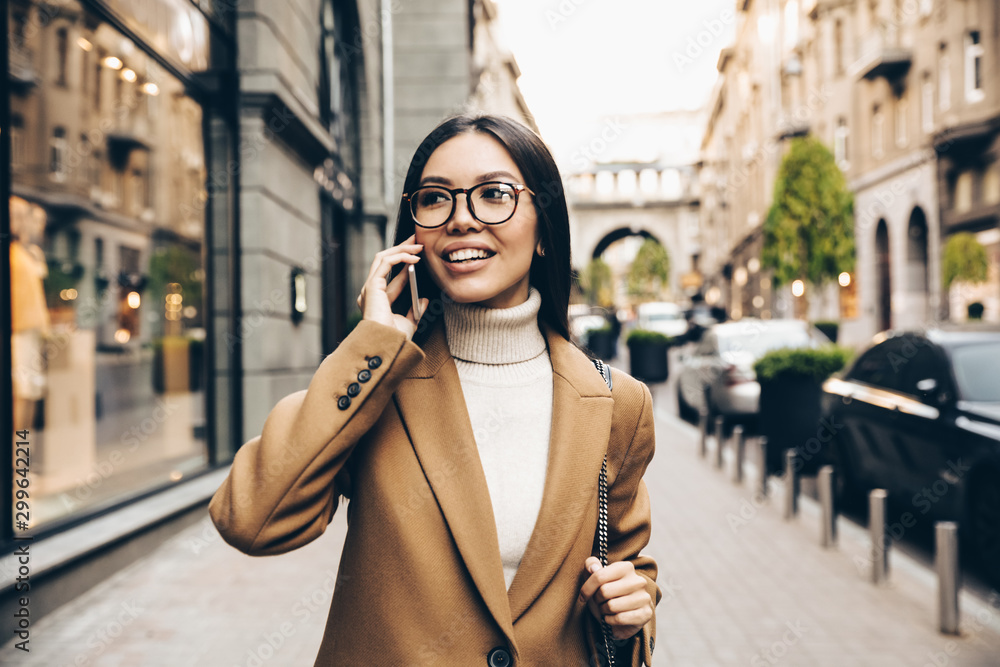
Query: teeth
467	253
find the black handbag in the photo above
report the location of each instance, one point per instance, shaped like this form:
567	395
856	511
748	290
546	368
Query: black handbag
602	525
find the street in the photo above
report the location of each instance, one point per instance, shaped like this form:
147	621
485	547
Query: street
740	586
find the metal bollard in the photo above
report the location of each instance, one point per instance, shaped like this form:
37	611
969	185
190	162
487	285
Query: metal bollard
739	450
877	507
720	423
762	474
947	566
791	485
703	425
828	537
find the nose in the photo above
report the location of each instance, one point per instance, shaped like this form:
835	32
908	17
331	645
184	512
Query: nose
461	219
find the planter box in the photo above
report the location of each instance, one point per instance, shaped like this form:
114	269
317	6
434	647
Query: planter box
789	418
603	344
648	361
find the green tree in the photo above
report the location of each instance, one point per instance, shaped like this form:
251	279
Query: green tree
964	259
650	271
809	230
596	282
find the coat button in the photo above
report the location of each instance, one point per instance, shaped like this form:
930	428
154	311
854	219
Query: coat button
353	389
344	402
365	375
374	362
499	657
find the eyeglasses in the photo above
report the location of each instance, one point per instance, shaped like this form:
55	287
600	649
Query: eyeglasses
490	203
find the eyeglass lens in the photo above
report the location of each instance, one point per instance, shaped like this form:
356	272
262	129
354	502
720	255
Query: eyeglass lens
488	202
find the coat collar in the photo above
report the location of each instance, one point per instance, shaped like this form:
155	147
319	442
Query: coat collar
446	449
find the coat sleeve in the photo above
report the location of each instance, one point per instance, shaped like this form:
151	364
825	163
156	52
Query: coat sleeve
281	493
629	524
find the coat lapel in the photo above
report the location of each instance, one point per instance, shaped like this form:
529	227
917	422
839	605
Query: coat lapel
433	409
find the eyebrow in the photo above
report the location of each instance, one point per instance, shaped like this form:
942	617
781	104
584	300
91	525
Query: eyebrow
482	178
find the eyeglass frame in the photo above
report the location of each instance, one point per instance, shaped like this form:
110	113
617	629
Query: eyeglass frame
518	189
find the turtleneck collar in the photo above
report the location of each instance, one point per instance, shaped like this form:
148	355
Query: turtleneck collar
495	335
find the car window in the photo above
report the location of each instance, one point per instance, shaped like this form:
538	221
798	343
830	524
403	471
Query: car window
759	341
925	363
977	371
875	368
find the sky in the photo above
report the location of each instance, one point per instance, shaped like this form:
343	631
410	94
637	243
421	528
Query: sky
584	62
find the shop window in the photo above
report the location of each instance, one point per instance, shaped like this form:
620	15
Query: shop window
106	301
973	67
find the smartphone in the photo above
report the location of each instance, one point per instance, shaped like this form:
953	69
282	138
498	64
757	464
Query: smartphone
414	295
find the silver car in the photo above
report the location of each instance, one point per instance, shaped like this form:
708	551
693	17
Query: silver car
720	367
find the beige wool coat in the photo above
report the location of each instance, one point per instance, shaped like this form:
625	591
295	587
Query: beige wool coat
420	579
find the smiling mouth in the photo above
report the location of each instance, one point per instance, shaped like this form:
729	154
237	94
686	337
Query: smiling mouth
468	255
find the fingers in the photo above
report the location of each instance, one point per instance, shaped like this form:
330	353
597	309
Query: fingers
610	581
636	600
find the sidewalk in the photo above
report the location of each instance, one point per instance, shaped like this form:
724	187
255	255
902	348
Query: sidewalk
741	586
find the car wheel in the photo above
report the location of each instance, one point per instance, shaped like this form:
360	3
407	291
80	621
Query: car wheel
984	525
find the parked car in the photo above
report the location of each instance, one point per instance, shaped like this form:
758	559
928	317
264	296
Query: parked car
721	365
918	414
665	318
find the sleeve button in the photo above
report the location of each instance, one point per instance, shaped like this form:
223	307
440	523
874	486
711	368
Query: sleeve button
365	375
344	402
374	362
353	389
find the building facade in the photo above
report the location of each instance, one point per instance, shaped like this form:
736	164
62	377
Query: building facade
904	95
196	191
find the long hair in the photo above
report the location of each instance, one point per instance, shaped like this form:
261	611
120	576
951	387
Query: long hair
551	274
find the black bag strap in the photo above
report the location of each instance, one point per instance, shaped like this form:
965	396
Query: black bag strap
602	522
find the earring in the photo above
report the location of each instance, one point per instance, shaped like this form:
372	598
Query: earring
541	252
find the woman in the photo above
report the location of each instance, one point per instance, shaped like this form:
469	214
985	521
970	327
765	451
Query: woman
469	446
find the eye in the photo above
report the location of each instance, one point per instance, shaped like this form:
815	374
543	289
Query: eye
433	198
497	193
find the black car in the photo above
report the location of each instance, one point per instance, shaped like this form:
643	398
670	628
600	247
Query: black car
918	414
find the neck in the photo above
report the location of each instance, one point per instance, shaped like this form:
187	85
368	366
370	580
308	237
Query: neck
495	335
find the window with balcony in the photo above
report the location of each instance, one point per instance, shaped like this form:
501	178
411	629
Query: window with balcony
902	109
878	131
838	46
944	77
927	103
840	137
57	154
62	53
973	67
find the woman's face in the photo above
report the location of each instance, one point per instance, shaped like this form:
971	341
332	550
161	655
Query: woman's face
500	280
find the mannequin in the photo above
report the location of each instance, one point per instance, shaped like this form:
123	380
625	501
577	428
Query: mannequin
29	313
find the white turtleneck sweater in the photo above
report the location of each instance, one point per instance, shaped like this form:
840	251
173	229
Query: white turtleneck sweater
506	376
